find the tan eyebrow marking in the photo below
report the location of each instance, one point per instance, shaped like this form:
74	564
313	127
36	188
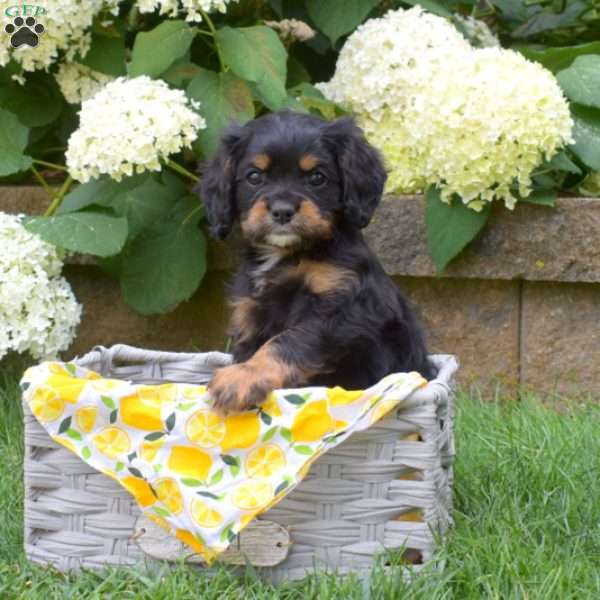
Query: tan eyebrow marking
308	162
261	161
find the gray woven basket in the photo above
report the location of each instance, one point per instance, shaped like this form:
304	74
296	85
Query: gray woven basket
349	507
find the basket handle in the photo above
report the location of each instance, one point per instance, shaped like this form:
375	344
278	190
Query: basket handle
123	354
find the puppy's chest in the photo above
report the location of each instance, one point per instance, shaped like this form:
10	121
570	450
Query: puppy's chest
280	297
269	297
274	294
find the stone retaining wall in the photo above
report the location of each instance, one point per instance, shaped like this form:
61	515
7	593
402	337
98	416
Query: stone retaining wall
519	308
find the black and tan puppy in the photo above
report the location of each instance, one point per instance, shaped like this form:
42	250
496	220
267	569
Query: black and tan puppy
311	304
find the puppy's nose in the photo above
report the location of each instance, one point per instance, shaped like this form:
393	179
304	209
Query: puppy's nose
282	212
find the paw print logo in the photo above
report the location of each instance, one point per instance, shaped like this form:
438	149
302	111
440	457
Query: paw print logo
24	32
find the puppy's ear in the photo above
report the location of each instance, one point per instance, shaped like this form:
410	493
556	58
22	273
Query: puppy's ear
217	186
361	169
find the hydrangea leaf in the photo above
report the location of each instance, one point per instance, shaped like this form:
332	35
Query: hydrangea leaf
181	72
224	97
36	104
541	197
256	54
546	20
437	8
313	100
86	232
557	58
13	140
163	266
562	162
581	81
450	227
143	205
586	132
106	55
99	192
156	50
335	19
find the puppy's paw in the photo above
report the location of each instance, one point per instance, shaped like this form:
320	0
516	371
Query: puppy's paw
238	388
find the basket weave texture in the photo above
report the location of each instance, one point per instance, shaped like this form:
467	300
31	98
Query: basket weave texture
356	501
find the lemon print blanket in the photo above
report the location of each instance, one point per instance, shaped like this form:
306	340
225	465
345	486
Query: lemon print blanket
200	476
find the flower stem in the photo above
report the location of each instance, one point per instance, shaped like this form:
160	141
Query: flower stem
211	26
182	170
191	214
57	201
45	163
42	182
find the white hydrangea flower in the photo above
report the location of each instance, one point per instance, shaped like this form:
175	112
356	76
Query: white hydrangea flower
472	121
78	82
130	125
38	311
191	8
66	29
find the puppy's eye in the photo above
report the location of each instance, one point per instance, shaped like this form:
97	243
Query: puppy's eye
316	178
254	177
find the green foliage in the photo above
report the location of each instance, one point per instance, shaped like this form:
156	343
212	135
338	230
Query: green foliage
225	98
87	232
106	55
336	23
155	51
13	141
450	227
586	132
163	266
581	81
558	58
148	225
257	55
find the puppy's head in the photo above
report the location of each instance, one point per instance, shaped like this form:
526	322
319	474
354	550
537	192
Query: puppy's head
291	179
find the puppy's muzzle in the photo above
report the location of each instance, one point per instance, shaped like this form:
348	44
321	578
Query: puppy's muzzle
282	212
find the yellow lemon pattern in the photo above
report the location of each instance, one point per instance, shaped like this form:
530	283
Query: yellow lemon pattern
252	495
167	491
201	476
149	450
204	515
142	411
112	442
205	429
46	404
312	422
140	489
265	461
85	417
190	462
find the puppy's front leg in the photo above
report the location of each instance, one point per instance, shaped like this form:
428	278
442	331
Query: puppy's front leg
239	387
283	361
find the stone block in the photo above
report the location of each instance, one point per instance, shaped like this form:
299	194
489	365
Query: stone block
476	320
196	325
561	338
534	243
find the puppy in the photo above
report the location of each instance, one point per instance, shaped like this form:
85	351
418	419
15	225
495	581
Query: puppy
311	303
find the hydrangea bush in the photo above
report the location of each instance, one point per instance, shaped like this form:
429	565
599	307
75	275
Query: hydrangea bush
474	122
120	99
67	33
38	311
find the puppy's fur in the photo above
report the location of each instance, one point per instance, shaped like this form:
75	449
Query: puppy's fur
311	303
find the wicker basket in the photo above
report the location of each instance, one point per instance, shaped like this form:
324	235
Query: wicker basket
358	499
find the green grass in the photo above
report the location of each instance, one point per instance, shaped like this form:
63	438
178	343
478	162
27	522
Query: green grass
527	494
